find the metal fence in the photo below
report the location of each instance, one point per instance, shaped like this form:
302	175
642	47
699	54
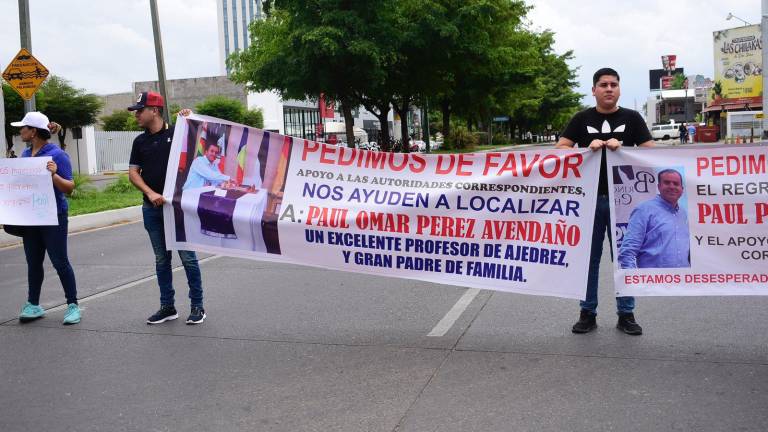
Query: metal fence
113	150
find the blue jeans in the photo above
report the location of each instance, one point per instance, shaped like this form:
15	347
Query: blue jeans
52	239
602	224
153	223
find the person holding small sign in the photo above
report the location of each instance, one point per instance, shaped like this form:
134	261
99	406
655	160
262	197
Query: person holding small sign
51	239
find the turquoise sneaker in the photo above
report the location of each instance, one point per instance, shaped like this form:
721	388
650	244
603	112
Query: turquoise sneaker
31	312
72	316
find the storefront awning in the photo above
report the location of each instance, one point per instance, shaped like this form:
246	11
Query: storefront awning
734	107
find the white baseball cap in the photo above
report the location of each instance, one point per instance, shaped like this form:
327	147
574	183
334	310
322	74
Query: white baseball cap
33	119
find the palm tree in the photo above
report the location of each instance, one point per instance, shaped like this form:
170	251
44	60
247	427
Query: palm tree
717	90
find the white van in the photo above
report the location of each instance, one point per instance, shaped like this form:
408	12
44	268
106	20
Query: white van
665	131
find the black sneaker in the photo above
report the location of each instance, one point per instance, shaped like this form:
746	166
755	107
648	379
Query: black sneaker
586	323
196	315
628	325
166	313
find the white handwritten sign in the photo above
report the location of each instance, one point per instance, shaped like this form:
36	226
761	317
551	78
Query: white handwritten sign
26	192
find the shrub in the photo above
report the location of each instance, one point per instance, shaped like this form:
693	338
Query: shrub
122	185
82	188
461	139
501	140
481	138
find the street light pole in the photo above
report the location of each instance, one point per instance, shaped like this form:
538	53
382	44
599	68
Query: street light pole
730	15
159	57
25	34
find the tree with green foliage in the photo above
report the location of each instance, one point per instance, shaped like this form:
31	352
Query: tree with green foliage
717	90
14	111
493	54
222	107
422	38
69	106
550	99
307	48
232	110
473	58
131	124
678	82
254	117
120	120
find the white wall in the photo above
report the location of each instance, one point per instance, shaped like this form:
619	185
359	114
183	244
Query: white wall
271	106
82	152
650	110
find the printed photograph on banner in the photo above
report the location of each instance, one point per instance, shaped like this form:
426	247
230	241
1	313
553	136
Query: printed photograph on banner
229	186
690	221
651	222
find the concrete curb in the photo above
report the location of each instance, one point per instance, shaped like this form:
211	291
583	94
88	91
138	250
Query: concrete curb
87	222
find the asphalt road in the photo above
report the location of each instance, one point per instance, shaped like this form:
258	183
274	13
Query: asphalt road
290	348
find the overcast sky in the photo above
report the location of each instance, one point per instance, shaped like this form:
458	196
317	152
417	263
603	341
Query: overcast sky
105	45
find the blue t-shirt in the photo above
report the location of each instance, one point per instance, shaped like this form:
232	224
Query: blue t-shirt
63	169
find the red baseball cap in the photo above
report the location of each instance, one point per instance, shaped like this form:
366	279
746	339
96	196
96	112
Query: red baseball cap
147	99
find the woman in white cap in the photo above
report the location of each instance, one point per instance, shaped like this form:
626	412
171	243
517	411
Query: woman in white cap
51	239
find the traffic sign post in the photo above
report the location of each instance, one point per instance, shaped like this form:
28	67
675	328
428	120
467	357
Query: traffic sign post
25	74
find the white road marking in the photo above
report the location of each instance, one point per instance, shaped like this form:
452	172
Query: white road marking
126	286
450	318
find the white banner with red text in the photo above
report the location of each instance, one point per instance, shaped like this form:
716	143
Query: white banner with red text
518	222
690	221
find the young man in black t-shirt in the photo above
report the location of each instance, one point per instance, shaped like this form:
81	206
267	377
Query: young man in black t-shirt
147	167
606	126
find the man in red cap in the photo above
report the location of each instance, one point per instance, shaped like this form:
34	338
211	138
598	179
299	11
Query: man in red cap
147	167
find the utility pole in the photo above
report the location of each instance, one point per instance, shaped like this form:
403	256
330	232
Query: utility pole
25	34
764	37
2	122
158	57
425	122
685	101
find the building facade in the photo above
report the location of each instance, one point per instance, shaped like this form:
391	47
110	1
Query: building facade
303	119
234	16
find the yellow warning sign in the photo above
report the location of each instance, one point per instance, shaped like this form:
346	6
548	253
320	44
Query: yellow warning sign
25	74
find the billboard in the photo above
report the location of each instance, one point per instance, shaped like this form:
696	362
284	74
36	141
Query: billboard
668	62
654	77
738	65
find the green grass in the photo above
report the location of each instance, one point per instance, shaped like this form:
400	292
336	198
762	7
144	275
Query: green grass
92	202
85	199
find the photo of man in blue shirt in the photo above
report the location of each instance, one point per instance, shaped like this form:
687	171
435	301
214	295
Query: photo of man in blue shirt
658	235
204	171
